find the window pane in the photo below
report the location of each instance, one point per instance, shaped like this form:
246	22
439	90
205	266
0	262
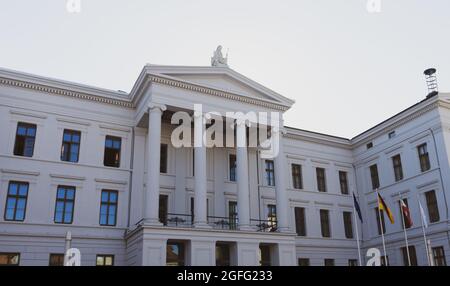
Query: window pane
13	189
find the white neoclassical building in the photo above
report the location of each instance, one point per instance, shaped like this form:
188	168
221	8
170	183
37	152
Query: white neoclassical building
101	165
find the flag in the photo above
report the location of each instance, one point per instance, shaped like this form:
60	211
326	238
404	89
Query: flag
406	214
424	217
383	207
357	208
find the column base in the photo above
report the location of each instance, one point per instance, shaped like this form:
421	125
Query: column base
151	222
202	225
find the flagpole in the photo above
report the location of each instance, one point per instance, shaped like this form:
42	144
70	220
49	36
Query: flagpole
404	228
357	234
382	229
423	230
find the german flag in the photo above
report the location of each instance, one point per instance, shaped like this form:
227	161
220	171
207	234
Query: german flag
383	207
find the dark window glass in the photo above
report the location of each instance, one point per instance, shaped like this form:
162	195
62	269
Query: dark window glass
344	182
223	254
70	148
108	207
352	262
16	201
65	203
175	254
232	167
303	262
163	159
270	173
300	221
232	214
369	145
329	262
374	177
432	205
272	216
412	256
348	226
380	221
398	170
439	256
163	208
391	134
112	151
104	260
266	259
192	210
385	260
9	259
325	223
56	259
321	181
424	158
297	180
25	138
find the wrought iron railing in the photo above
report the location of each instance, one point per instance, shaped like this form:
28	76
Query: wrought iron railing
178	220
219	222
267	225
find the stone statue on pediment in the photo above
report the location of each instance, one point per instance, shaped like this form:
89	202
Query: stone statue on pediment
218	60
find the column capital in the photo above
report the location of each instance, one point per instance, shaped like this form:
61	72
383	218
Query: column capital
156	106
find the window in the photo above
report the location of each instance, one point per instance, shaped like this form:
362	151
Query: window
439	256
402	216
369	145
232	167
380	221
424	158
223	254
104	260
25	138
70	148
325	223
175	254
16	201
65	201
9	259
264	254
352	262
412	255
56	259
391	134
192	209
348	226
112	151
374	177
329	262
163	208
344	183
384	260
398	171
297	181
270	173
300	221
163	159
303	262
108	208
232	214
432	205
272	217
321	184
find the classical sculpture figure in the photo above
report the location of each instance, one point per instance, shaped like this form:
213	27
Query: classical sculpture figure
218	60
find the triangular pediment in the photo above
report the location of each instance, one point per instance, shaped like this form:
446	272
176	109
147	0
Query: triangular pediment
221	78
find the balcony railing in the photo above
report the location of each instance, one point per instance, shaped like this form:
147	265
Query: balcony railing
218	222
267	225
178	220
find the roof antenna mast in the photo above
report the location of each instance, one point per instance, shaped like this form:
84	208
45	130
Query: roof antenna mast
430	77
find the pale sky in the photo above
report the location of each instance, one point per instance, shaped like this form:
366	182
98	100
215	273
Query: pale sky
347	69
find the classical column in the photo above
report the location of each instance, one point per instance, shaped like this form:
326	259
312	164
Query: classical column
280	182
153	156
200	184
242	175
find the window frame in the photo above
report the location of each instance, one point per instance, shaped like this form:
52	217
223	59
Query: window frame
438	258
374	176
269	171
109	204
118	150
232	176
398	167
9	259
164	160
104	256
16	197
65	201
70	144
300	221
433	213
321	179
297	176
347	217
27	126
325	229
55	255
424	155
343	182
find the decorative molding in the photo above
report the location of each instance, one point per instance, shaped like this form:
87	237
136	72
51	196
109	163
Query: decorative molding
67	177
322	162
323	204
26	113
110	181
19	172
427	184
392	149
72	121
116	128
